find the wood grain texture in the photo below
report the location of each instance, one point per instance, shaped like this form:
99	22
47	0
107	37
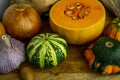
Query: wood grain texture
75	67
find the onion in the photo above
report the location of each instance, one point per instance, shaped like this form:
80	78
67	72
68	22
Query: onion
21	21
12	53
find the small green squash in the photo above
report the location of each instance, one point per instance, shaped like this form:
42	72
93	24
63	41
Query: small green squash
113	29
104	56
47	50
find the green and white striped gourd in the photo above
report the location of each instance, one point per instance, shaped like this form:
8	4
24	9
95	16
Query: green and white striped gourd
47	50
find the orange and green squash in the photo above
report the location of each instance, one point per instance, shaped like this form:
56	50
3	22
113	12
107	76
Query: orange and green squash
47	50
78	21
113	29
2	29
104	55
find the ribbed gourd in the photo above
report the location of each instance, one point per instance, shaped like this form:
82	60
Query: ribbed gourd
104	55
47	50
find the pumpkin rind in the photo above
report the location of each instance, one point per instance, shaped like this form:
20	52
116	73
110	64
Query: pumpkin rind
47	50
113	29
106	52
78	31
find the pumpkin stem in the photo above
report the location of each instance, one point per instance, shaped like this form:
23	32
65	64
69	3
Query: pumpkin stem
7	41
109	44
118	24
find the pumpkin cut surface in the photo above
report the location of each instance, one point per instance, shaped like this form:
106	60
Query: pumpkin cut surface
104	56
47	50
79	21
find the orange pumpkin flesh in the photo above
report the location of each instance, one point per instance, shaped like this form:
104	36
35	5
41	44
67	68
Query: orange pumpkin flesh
2	29
82	30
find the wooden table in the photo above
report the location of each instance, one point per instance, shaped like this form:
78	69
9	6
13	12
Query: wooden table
75	67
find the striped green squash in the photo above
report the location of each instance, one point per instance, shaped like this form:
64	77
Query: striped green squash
47	50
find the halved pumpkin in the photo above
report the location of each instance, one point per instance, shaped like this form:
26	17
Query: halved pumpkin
2	29
78	21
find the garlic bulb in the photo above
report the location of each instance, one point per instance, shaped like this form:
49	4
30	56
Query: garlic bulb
12	53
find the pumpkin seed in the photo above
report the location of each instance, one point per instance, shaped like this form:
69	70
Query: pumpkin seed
78	4
71	7
86	12
79	7
75	18
69	13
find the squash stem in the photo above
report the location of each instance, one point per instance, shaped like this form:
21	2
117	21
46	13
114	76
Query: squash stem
7	41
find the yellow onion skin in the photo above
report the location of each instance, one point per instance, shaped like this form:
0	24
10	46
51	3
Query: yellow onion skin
21	21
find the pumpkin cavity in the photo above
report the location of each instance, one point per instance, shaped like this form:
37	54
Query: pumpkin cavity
77	11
